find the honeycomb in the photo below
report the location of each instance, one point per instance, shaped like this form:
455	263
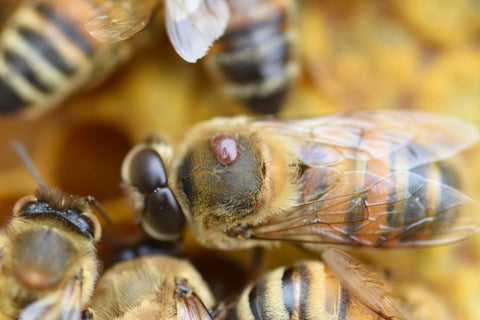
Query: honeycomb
355	54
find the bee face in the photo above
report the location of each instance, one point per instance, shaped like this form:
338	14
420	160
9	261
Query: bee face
51	204
48	256
146	181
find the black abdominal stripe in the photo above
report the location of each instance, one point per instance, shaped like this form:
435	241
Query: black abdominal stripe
42	58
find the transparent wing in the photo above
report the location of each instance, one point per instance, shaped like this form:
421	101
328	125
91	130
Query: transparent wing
189	305
65	305
415	138
365	284
359	183
117	20
193	25
362	209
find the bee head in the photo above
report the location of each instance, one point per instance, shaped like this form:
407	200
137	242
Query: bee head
72	212
145	177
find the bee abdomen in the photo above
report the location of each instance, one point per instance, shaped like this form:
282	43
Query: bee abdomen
306	291
43	57
256	60
429	210
297	292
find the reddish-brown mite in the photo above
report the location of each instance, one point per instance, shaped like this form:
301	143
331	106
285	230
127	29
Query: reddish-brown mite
225	149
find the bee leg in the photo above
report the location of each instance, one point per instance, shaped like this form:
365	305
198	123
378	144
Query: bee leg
257	263
218	310
87	314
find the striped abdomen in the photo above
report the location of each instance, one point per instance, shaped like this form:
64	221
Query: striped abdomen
306	291
421	209
255	59
46	54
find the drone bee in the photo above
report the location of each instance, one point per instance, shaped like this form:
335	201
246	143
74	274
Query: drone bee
46	54
366	179
192	25
255	60
152	287
309	291
48	265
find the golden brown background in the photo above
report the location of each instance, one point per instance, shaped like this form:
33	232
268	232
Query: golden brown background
359	54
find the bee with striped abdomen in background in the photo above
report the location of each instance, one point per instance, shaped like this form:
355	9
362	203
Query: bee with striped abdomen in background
192	25
308	290
46	54
48	264
359	179
152	287
255	60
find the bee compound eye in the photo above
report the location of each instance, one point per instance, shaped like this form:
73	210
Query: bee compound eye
163	219
225	149
147	171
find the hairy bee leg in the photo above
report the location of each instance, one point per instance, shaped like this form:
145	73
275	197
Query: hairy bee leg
257	263
87	314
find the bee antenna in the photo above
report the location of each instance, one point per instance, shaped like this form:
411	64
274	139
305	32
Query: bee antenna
99	208
27	160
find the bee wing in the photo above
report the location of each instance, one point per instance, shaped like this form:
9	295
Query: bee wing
193	25
120	19
414	137
362	209
363	283
189	305
354	189
65	305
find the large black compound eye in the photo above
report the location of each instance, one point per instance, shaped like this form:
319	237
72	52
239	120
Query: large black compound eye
163	217
147	171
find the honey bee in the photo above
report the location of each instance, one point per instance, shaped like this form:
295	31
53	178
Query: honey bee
255	60
46	54
366	178
308	290
192	25
152	287
48	265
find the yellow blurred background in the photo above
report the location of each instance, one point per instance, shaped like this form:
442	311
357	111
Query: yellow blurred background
358	54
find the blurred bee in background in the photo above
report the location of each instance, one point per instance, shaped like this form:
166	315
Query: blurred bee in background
255	60
48	264
308	290
46	54
421	303
151	287
365	179
192	25
6	7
